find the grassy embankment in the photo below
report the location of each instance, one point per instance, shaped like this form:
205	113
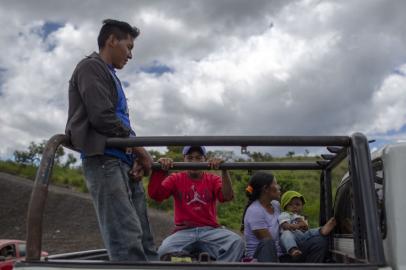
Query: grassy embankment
306	182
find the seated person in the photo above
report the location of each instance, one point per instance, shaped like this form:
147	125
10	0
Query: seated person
261	227
293	226
195	196
260	219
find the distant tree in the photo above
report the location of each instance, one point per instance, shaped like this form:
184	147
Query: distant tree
70	161
290	154
34	153
155	154
225	155
175	149
260	157
29	157
306	152
175	153
58	155
24	157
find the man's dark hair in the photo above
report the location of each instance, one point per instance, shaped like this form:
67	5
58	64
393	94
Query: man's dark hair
118	28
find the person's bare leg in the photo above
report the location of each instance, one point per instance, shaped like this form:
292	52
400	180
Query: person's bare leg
328	227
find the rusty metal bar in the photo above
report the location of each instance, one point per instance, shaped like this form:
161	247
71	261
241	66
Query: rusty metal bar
231	141
39	197
244	166
364	192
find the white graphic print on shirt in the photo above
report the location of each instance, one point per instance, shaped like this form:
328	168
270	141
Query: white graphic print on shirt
196	197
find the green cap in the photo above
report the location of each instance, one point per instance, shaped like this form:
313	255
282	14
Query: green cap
288	196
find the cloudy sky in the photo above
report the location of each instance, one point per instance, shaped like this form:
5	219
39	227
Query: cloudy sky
214	67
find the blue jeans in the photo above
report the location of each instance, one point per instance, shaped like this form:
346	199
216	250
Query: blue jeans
219	243
291	239
120	208
314	250
266	251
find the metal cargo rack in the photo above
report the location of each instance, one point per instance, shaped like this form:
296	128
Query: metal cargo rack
354	147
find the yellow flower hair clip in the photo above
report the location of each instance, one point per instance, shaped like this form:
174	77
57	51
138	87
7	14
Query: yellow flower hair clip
249	189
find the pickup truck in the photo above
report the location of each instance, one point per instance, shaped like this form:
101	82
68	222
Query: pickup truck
368	235
12	251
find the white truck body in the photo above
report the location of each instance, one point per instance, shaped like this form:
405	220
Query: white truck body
394	189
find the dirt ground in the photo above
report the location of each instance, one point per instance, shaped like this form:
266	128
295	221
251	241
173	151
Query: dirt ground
69	222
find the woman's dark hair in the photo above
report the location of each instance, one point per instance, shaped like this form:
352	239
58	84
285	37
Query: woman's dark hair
255	186
118	28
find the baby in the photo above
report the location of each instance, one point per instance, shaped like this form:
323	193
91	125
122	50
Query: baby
293	226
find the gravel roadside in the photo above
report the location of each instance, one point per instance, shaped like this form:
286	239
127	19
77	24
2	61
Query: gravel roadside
69	222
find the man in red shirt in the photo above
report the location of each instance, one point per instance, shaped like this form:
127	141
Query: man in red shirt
195	196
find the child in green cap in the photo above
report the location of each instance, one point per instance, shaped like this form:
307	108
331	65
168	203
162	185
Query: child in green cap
293	226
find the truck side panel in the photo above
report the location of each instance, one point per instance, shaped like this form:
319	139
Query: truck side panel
394	168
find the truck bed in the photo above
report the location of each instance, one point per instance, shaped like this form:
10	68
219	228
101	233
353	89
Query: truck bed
85	264
98	259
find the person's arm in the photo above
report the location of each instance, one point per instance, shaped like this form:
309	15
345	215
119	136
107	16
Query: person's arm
289	227
226	189
142	165
156	190
97	97
302	224
226	186
284	220
262	234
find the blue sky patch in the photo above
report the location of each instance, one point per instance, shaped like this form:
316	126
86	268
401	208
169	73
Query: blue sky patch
400	71
380	142
48	28
157	69
44	31
394	132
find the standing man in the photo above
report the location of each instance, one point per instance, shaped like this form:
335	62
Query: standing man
195	195
98	110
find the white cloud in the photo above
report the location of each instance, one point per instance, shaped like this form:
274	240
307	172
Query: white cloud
239	67
390	102
34	93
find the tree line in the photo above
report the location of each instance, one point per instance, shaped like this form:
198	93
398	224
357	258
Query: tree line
68	172
33	154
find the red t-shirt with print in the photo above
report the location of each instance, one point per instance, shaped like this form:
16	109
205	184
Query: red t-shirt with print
195	199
